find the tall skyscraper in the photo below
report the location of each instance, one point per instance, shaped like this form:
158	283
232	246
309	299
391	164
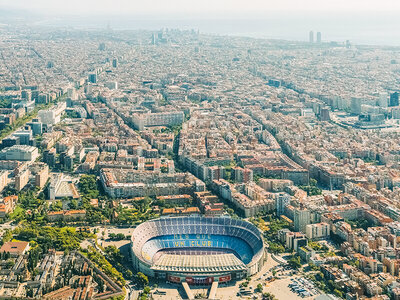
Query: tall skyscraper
92	78
383	100
115	62
355	105
319	37
282	200
302	218
311	37
394	99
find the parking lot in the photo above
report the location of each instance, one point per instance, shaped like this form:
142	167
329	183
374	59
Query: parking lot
303	287
282	281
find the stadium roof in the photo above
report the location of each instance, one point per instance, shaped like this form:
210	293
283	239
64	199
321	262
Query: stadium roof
199	263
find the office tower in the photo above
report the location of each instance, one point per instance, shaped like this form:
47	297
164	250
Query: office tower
35	95
36	126
49	157
319	37
324	114
282	200
355	105
68	162
394	99
311	36
26	95
115	62
383	100
302	218
93	78
22	179
43	99
102	46
42	176
25	136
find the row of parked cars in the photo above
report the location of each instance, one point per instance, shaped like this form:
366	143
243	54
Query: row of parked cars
245	291
303	287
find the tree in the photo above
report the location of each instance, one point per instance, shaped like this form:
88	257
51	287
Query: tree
268	296
338	293
141	279
88	186
120	236
9	264
294	262
73	204
144	204
259	288
312	266
276	248
56	206
113	253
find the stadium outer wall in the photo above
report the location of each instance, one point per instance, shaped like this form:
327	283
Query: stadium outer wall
145	267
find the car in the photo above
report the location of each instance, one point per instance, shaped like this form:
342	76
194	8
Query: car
157	292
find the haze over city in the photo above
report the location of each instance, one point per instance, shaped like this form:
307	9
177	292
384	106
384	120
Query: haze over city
367	22
155	7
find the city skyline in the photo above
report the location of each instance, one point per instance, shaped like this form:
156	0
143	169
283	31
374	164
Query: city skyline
371	24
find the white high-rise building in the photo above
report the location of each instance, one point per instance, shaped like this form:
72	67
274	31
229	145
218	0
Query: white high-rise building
52	116
317	231
319	37
311	37
282	200
383	100
302	218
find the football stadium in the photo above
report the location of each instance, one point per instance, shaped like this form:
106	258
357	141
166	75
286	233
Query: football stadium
197	250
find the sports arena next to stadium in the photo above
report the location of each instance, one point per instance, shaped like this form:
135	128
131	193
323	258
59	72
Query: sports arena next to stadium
197	250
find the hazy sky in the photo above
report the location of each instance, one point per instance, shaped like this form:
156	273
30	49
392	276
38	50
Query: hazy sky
197	6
